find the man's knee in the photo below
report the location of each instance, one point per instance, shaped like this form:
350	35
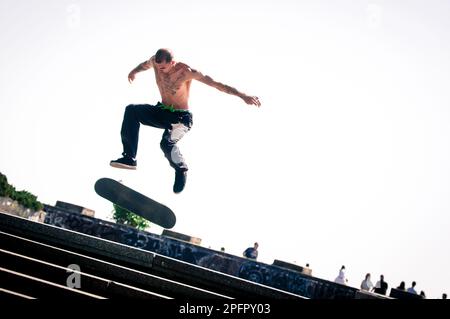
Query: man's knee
166	145
130	108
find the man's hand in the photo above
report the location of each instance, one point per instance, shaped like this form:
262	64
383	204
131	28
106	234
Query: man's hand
131	76
251	100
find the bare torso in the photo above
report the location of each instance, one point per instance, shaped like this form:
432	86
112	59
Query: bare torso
175	85
174	82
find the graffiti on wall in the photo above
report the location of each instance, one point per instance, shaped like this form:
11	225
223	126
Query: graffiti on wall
269	275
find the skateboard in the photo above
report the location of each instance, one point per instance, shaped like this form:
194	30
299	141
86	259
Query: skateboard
135	202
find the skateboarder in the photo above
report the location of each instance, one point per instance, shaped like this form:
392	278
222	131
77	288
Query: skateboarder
171	114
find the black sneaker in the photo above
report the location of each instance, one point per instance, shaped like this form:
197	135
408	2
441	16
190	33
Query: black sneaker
180	181
124	162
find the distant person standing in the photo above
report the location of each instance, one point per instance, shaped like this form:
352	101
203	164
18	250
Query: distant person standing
341	279
411	289
251	252
402	286
381	286
307	270
366	284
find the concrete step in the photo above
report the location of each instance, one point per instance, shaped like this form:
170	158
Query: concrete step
402	294
60	275
6	295
182	237
210	279
140	260
104	269
29	285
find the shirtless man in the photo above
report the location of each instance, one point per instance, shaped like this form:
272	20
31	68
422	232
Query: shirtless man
172	114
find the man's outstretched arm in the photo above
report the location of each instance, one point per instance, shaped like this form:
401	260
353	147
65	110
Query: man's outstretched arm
141	67
252	100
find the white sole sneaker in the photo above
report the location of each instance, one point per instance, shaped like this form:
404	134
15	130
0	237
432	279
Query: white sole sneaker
123	166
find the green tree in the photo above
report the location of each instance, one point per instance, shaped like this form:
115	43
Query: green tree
125	217
24	198
5	188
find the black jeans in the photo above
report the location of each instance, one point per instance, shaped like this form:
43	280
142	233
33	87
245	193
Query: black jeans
175	125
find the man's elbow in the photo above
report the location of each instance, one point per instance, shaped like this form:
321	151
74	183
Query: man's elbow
145	65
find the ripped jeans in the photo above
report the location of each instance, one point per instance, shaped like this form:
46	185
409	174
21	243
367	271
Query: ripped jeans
175	125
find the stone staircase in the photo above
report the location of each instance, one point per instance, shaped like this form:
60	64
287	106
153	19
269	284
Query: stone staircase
39	260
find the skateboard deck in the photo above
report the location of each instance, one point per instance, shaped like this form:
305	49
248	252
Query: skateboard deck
135	202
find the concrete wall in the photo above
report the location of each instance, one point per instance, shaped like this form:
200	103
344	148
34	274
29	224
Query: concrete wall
12	207
270	275
401	294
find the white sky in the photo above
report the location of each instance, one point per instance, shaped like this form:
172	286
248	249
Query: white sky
347	161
